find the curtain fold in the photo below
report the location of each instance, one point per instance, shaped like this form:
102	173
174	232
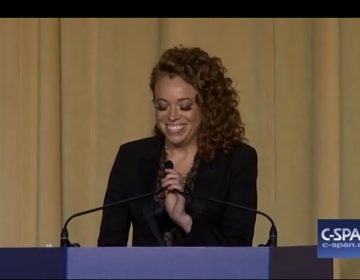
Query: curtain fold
326	116
49	134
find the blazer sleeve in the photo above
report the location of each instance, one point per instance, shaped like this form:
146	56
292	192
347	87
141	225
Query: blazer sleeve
236	227
115	223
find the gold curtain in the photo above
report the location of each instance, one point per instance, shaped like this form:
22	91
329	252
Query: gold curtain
73	90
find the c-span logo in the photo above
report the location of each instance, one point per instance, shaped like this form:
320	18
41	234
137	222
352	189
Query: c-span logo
338	238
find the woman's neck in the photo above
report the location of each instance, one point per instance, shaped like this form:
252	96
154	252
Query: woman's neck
182	157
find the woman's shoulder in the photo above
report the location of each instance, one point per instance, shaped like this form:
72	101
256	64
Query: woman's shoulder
244	148
244	152
240	153
142	142
141	145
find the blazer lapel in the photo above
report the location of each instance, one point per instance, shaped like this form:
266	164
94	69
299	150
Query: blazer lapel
149	166
203	183
150	210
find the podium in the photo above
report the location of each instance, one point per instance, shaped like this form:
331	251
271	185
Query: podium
164	263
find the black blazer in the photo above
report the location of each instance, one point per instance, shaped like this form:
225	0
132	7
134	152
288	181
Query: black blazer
229	178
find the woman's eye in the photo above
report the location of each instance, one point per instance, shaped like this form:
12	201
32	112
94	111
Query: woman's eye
185	108
160	106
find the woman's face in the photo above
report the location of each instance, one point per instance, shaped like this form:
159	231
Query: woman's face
178	115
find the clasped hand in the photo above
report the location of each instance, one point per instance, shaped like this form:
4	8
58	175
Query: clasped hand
175	200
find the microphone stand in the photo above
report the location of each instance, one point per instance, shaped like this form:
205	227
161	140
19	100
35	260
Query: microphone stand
64	236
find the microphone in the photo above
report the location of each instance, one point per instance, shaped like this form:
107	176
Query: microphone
168	164
64	236
272	241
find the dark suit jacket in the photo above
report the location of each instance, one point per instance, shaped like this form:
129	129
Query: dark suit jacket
229	178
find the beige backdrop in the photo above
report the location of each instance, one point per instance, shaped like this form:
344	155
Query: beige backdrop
73	90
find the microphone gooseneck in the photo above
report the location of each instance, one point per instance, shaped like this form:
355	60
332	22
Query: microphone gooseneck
272	241
64	236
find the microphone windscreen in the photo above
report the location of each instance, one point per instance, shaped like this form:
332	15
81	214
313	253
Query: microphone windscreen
168	164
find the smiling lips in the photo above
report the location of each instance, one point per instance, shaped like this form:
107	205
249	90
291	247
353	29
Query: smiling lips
174	128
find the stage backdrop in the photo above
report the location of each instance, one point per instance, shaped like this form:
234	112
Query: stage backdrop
73	90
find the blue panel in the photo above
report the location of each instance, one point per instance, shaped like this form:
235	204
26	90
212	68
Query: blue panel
169	262
163	263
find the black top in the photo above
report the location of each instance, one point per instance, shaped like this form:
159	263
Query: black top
230	178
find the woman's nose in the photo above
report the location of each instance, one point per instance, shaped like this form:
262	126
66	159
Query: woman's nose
174	113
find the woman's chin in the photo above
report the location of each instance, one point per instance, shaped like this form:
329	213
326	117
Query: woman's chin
175	140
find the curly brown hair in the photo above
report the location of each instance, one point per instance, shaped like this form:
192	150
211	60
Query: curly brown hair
221	127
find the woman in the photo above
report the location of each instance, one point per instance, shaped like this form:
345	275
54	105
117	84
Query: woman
199	129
